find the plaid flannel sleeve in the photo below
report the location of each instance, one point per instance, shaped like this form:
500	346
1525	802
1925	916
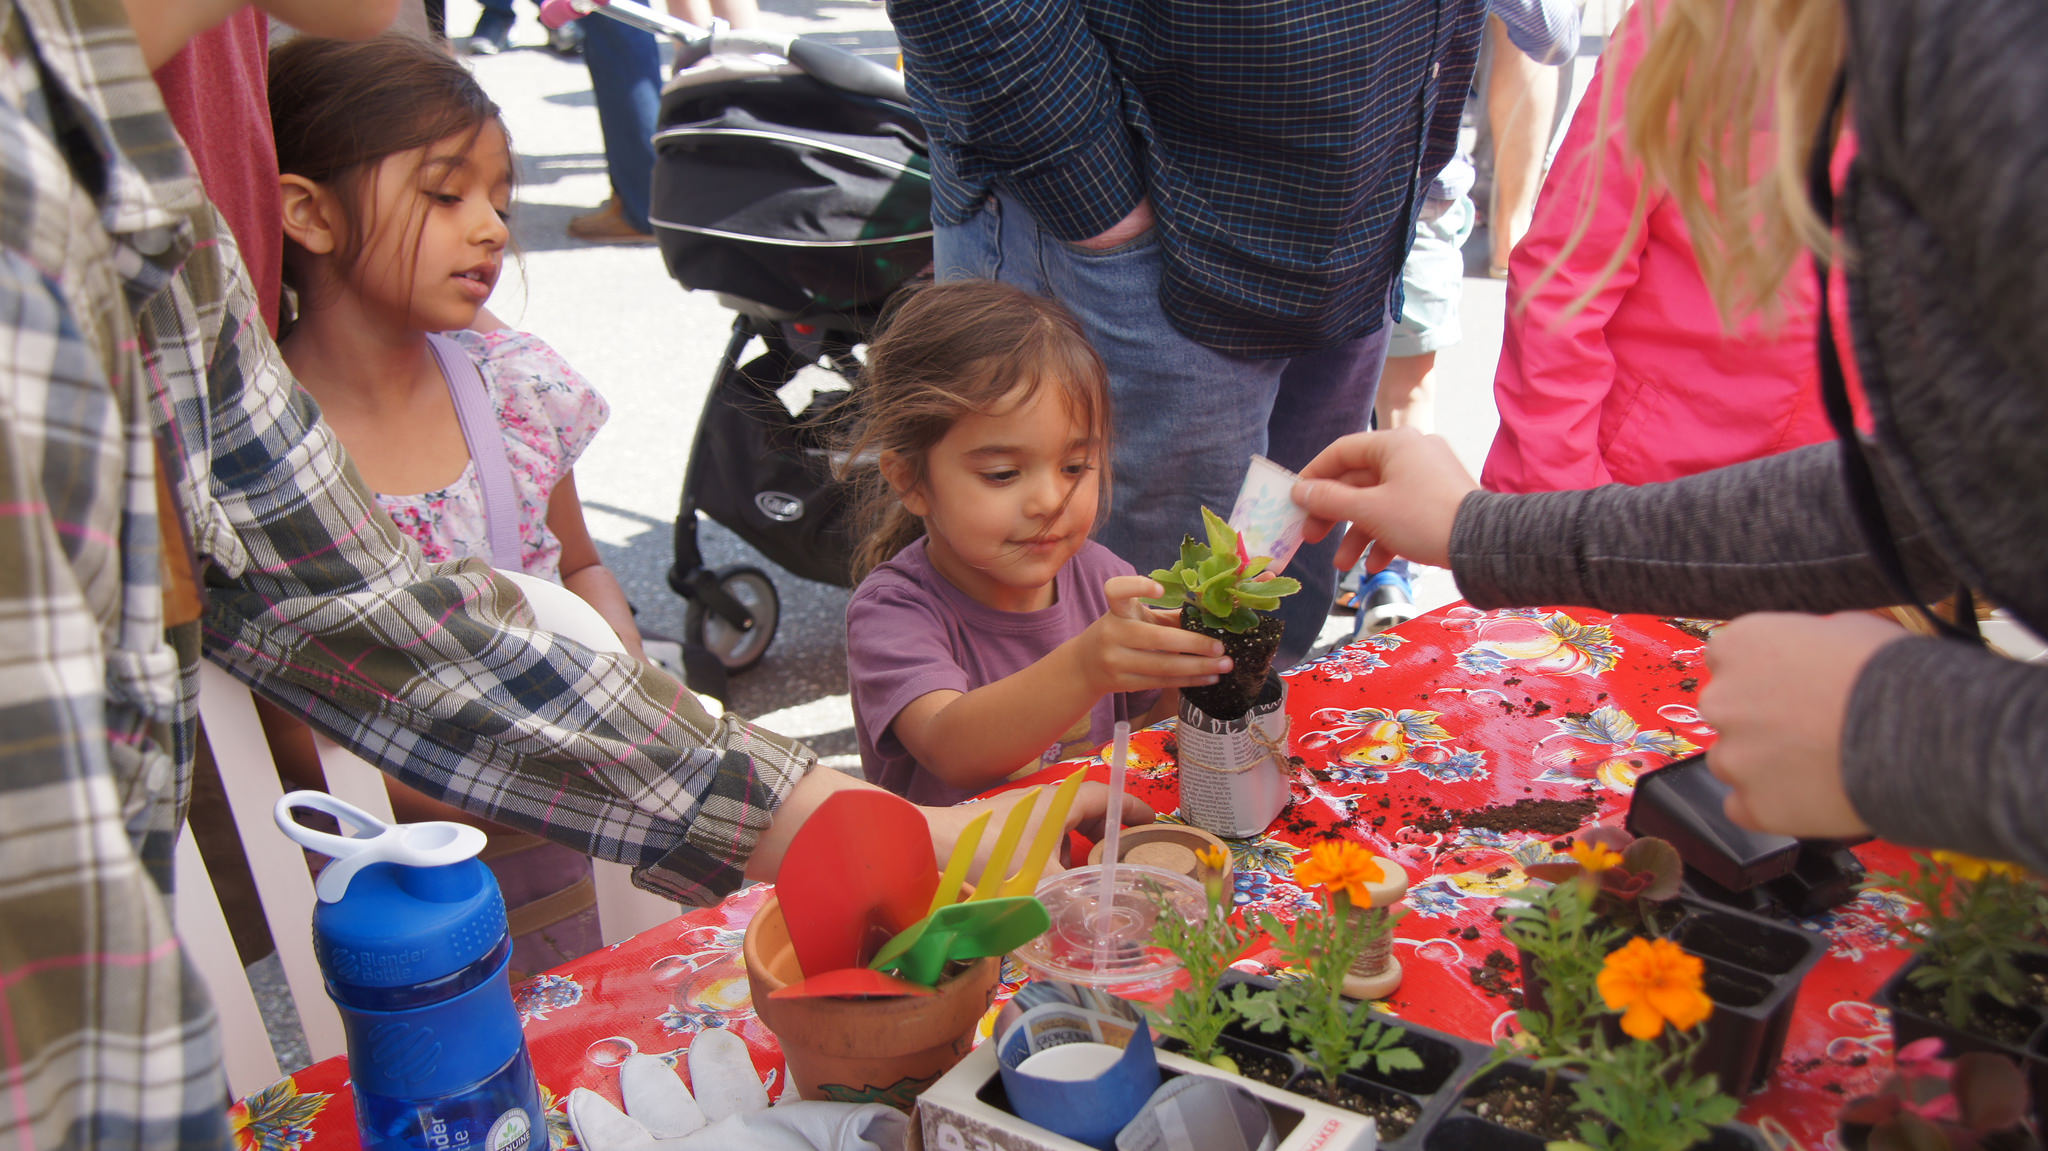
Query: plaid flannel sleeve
433	672
1022	89
81	916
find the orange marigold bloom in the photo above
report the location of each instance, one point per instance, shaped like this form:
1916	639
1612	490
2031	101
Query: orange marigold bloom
1594	857
1212	857
1339	865
1653	982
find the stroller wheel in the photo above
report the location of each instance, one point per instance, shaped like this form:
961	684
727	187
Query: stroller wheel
738	649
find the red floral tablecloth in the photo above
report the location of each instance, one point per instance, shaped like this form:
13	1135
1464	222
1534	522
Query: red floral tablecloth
1460	744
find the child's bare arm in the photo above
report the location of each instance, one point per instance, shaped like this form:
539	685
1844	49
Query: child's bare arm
583	572
1167	707
977	738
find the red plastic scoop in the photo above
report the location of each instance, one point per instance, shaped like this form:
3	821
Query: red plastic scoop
859	871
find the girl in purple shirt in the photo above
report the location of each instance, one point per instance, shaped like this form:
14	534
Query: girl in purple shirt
989	634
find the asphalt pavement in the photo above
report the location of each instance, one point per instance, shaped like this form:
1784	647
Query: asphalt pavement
651	348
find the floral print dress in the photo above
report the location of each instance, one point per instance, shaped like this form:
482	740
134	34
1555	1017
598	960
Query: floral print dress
549	413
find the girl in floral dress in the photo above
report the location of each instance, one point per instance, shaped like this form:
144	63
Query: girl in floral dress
396	175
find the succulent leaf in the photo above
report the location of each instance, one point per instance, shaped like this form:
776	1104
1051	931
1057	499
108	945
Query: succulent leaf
1226	589
1222	537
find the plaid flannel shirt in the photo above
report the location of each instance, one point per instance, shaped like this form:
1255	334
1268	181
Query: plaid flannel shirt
132	355
1285	144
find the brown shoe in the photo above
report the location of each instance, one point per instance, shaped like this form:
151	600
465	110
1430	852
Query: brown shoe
607	225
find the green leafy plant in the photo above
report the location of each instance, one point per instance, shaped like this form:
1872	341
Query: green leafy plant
1219	581
1558	930
1933	1104
1321	945
1977	921
1639	1094
1198	1013
1629	877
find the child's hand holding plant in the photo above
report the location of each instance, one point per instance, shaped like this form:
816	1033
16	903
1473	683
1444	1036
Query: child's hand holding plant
1133	647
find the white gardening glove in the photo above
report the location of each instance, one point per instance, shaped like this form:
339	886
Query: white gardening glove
730	1109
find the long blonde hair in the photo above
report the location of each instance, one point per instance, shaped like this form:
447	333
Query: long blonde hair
1713	71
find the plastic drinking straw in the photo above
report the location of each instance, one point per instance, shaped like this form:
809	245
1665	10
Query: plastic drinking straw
1105	899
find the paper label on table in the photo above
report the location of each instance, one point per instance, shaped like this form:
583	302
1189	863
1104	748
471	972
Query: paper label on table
1197	1113
1232	782
1267	519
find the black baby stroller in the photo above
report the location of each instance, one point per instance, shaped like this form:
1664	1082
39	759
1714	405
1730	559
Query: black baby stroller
791	178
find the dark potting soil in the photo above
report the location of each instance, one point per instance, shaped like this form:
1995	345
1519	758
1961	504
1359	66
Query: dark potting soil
1394	1114
1251	657
1496	977
1526	1107
1546	816
1991	1019
1692	627
1267	1067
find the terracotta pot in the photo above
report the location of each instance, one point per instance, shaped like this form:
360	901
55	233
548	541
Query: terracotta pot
861	1050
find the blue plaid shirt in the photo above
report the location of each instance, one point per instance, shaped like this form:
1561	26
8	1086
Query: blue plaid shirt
1285	144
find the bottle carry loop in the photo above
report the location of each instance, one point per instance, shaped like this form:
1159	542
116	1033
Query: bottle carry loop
1864	499
434	844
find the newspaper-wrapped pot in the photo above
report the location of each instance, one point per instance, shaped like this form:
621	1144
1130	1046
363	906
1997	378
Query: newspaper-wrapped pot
1234	773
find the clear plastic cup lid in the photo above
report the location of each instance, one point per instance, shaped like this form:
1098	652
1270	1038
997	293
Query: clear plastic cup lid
1087	946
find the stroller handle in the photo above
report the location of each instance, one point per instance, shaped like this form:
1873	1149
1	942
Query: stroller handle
825	62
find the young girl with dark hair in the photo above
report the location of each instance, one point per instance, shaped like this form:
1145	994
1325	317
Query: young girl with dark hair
396	175
989	633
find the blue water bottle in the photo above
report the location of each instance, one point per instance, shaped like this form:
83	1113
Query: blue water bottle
410	933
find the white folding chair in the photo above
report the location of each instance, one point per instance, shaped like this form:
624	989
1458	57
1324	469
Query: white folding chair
283	885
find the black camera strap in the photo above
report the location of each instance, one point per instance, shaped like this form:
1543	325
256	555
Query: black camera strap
1864	500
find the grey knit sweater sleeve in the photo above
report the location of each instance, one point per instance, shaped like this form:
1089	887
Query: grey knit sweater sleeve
1944	745
1774	534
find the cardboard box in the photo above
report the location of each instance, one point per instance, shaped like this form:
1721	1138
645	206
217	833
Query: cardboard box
964	1111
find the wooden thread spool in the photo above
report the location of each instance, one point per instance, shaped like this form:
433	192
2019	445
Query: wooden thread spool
1376	973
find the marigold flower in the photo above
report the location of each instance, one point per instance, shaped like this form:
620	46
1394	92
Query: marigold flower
1339	865
1212	857
1971	869
1594	857
1653	982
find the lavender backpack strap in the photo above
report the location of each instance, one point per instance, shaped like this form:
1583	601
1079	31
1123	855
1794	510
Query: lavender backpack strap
486	449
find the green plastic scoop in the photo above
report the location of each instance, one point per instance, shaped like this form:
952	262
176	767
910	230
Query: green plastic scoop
961	931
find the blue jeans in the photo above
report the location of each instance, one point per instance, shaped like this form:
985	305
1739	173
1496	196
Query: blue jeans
1188	418
625	76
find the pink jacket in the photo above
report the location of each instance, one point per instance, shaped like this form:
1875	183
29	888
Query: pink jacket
1642	384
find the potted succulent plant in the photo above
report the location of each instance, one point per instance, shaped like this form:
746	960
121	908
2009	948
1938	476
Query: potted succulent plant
1978	979
1224	593
1233	733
